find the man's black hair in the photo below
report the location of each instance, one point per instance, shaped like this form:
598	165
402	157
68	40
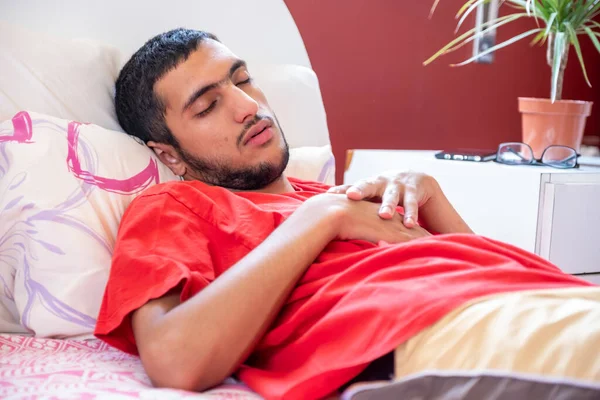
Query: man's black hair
139	110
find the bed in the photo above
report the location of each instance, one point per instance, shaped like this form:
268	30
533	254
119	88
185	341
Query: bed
50	368
68	172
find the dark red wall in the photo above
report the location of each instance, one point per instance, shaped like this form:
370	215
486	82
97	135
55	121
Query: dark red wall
368	55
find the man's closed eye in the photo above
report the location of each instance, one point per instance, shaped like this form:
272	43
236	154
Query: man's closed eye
207	110
244	82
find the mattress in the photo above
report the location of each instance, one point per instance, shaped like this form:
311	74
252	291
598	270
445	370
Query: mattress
33	368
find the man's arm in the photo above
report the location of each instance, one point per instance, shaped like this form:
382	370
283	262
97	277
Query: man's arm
196	344
419	194
439	215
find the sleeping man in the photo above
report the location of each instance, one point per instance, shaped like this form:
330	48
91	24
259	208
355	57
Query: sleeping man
294	287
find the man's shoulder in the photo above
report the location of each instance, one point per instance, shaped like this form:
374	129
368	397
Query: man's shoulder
177	189
173	195
193	197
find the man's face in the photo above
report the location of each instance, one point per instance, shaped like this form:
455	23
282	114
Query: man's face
228	135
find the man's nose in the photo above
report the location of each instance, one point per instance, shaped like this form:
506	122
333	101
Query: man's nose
244	105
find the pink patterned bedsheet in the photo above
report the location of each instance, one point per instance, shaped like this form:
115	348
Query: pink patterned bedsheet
33	368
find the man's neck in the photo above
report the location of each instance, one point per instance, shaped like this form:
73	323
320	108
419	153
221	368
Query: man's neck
278	186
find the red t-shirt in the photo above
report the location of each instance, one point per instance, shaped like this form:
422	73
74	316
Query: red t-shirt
355	303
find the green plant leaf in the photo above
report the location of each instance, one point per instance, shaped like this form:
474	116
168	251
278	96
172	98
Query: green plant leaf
535	13
575	42
551	3
537	10
579	13
483	32
512	4
473	7
435	4
518	3
593	9
564	21
564	6
550	22
499	46
528	7
596	24
471	35
538	38
465	7
559	48
593	38
532	7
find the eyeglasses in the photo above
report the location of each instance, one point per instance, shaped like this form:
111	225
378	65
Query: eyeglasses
516	153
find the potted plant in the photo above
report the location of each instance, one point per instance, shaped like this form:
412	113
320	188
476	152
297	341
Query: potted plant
559	24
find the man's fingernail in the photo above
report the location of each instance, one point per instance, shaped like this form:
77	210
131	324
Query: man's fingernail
409	221
385	210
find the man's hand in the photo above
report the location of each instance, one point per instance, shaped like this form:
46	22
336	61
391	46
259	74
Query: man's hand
411	190
358	219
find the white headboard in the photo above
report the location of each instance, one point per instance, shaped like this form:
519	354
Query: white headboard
257	30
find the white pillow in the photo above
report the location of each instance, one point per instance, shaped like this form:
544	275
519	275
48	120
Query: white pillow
69	79
63	189
312	164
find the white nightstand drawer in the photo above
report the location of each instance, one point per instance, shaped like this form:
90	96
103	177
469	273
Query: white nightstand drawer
570	232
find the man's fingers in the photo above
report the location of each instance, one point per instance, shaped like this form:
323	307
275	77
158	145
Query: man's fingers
338	189
366	189
389	201
411	207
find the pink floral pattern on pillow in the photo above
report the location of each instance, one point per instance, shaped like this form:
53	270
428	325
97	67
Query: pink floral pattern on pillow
22	129
23	247
130	185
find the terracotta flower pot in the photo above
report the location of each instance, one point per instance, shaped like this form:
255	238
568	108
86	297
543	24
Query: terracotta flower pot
546	123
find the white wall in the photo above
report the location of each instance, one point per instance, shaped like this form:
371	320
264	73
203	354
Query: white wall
260	31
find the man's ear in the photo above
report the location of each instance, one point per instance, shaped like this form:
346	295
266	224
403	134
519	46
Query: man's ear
168	156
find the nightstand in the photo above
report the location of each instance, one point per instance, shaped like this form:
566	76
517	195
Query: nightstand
553	213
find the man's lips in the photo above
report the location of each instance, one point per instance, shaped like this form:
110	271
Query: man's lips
263	137
255	130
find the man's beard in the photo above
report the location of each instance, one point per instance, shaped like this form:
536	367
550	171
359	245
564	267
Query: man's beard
218	173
